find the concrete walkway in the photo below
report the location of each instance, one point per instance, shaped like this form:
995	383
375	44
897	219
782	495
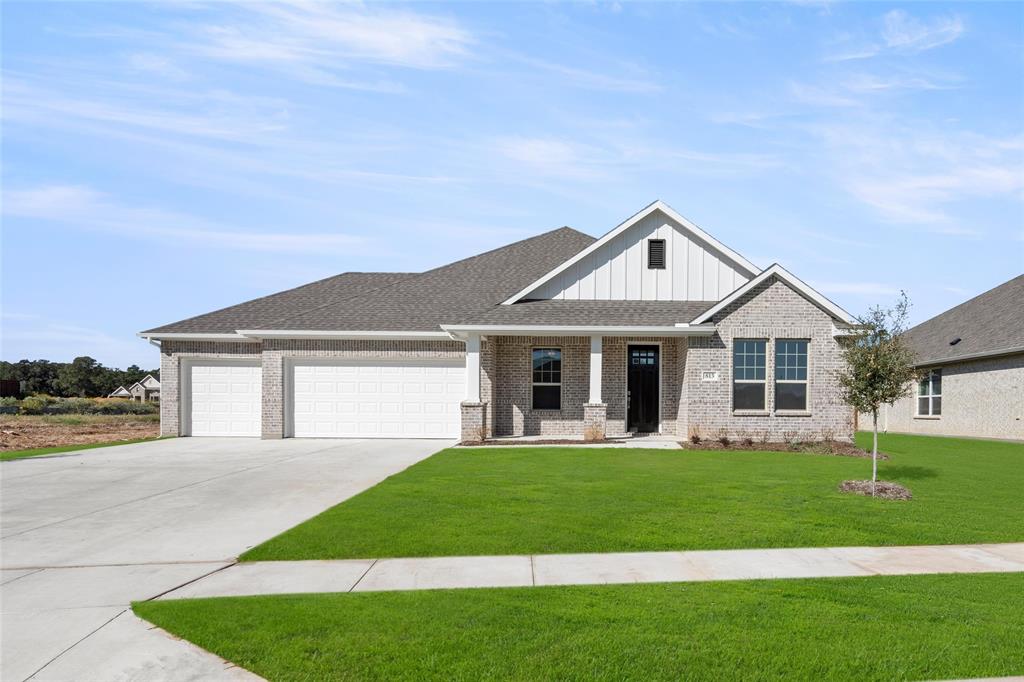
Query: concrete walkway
285	577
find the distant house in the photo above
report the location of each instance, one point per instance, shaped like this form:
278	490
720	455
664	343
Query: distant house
146	390
10	388
973	359
120	392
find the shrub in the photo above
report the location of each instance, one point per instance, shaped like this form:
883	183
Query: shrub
723	437
695	437
33	404
44	404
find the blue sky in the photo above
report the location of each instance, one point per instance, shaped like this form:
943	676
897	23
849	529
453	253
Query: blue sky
162	161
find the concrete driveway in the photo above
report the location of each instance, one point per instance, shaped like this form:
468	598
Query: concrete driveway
82	535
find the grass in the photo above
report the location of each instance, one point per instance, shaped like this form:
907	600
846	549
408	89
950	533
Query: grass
553	500
38	452
876	628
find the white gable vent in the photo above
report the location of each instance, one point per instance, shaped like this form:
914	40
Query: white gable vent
656	254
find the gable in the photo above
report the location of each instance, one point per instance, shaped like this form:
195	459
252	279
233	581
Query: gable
697	267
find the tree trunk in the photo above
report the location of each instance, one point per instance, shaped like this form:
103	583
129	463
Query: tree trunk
874	450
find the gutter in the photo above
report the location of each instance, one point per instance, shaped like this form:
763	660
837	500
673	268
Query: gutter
972	356
462	331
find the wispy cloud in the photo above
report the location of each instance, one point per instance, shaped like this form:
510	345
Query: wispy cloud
595	80
914	175
80	207
327	38
904	34
857	288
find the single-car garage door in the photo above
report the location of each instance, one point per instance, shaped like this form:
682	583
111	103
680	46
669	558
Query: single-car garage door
224	398
413	398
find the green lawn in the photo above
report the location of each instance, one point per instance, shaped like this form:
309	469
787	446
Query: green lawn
877	628
36	452
551	500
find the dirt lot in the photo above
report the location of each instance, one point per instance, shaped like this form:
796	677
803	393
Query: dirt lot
21	432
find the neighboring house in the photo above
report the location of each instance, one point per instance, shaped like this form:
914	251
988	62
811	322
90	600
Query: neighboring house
120	392
973	359
146	390
655	327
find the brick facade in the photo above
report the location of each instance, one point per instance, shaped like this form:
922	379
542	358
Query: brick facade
772	311
981	398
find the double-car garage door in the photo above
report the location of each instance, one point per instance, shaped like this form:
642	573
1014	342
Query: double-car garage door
402	398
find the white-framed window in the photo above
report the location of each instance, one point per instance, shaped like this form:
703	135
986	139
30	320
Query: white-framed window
748	374
929	394
547	379
790	374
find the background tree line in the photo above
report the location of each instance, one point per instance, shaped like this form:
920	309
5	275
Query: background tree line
83	377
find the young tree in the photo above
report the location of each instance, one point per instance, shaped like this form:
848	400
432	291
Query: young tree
879	366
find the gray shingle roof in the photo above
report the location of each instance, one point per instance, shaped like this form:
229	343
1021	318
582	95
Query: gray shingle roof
611	313
989	323
398	301
257	312
446	294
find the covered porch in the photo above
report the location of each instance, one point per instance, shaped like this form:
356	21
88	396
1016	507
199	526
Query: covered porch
580	383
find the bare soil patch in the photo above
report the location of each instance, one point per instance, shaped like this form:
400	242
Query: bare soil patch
836	448
553	441
24	432
885	489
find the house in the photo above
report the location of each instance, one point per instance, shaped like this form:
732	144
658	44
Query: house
972	357
120	392
655	327
145	390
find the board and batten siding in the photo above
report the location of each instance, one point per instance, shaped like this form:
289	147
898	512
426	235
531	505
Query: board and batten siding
617	270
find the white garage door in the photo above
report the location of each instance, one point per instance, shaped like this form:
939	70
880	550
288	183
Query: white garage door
402	399
225	399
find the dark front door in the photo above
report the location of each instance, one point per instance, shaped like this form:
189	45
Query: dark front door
644	390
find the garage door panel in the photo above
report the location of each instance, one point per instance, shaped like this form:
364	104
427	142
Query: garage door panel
225	400
409	398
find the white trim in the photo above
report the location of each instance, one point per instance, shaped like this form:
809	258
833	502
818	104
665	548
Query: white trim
748	411
189	336
622	227
789	278
661	384
459	331
473	368
929	396
806	410
596	369
258	334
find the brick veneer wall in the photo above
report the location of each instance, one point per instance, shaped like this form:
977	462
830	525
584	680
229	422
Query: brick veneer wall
171	355
982	398
513	381
771	311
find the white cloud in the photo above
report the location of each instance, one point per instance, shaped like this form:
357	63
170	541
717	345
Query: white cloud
595	80
142	62
904	32
331	36
821	97
871	83
916	175
856	288
84	208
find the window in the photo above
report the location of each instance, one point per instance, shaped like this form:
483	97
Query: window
929	394
748	374
547	379
790	374
655	254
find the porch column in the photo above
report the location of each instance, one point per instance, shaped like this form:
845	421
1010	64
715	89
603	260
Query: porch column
595	370
473	368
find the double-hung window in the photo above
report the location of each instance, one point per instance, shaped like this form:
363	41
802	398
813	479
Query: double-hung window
547	379
929	394
748	374
790	374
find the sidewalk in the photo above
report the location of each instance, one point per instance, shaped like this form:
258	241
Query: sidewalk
369	575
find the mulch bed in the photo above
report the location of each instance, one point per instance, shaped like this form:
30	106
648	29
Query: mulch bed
887	490
26	433
836	448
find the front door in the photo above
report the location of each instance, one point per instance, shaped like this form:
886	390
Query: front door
643	387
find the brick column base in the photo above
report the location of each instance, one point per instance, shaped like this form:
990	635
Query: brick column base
474	424
595	421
